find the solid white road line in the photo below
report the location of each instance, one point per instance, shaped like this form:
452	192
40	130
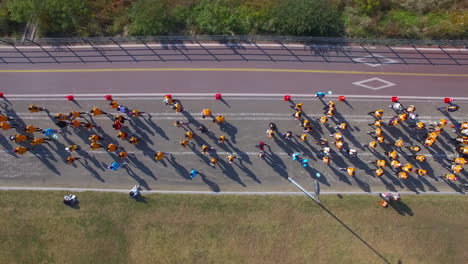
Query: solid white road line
4	188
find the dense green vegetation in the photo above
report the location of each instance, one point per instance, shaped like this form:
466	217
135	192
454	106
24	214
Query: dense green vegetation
426	19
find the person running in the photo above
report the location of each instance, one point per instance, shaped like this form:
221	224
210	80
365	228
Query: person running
95	145
377	113
320	95
372	145
421	172
394	121
377	123
4	118
402	175
326	160
415	149
303	137
451	177
183	143
31	129
206	112
337	136
75	123
307	126
168	100
71	159
407	168
339	144
88	125
270	133
160	155
331	112
205	148
297	115
377	132
330	105
326	151
342	126
420	158
120	118
379	172
35	109
19	138
219	119
352	152
429	141
75	114
324	120
213	162
117	125
112	147
461	140
419	125
380	163
20	150
272	126
135	113
460	161
261	145
193	173
397	107
95	138
7	126
189	135
298	107
296	156
123	155
305	163
449	108
60	117
221	139
72	148
231	159
123	109
288	135
114	104
322	142
399	143
380	139
402	117
133	140
38	141
395	164
411	109
456	168
122	135
115	165
261	154
96	111
177	123
463	150
392	154
349	170
177	107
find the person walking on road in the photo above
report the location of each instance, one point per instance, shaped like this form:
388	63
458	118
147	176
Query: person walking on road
193	173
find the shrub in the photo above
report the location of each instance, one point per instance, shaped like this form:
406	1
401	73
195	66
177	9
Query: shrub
424	6
356	24
218	17
307	18
151	18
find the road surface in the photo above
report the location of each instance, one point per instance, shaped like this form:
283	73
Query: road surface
369	88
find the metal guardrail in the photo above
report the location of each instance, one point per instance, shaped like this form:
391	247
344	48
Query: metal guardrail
234	48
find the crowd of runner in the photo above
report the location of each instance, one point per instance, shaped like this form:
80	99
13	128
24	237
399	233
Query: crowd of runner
29	136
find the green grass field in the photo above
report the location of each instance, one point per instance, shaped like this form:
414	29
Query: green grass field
35	227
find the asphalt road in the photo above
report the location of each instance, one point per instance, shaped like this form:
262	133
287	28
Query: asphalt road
247	119
234	77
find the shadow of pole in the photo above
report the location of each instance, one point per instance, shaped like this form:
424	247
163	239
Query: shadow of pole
354	233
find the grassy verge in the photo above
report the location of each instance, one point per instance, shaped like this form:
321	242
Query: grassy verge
111	228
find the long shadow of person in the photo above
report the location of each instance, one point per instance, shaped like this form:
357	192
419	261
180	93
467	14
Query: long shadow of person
315	174
247	171
211	184
401	208
137	178
230	130
181	170
277	164
91	170
156	128
141	166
